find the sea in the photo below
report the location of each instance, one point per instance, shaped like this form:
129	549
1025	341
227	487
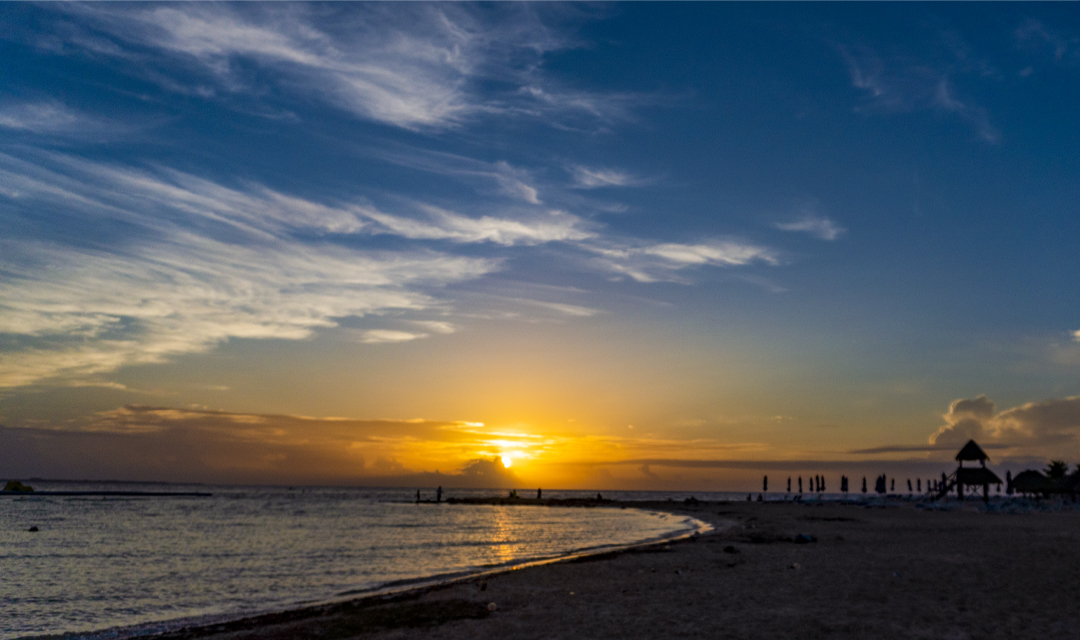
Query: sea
124	566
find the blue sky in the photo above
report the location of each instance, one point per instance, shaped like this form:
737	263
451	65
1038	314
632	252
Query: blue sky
755	233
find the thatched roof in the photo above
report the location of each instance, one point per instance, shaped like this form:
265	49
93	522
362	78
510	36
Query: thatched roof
1030	481
977	476
972	451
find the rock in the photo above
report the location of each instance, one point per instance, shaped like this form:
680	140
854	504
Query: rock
491	606
795	565
730	549
32	529
15	485
804	538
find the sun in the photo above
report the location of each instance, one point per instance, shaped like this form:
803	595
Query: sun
507	460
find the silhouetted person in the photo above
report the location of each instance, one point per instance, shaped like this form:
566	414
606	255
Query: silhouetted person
800	484
918	484
822	483
864	484
765	484
759	498
748	498
438	494
1008	483
892	486
417	496
539	493
789	484
909	485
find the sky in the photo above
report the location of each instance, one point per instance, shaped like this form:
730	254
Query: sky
602	246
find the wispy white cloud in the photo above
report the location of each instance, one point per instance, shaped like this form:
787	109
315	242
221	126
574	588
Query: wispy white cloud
552	226
592	178
946	100
415	66
53	118
1034	33
436	326
204	267
905	86
39	117
726	253
818	226
511	181
664	261
384	336
564	308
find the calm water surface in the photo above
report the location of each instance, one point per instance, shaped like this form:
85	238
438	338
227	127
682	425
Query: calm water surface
98	563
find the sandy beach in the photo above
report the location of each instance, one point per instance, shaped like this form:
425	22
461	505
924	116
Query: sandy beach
870	572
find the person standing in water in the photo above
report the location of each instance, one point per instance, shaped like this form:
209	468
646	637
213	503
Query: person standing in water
438	494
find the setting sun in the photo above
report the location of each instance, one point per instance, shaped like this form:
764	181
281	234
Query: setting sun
507	460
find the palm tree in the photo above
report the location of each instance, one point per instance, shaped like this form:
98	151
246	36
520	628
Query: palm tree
1056	469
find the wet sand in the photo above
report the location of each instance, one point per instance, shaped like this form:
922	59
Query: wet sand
896	572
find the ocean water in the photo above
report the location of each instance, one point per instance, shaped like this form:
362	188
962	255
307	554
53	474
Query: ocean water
103	562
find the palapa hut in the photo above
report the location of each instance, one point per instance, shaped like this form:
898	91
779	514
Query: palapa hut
972	476
1031	483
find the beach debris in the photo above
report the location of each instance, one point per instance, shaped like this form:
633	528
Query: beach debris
483	585
33	529
804	538
795	565
730	549
492	607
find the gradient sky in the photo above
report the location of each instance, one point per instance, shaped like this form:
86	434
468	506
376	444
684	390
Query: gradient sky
617	246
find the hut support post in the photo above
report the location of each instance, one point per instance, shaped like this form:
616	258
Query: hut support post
986	493
959	489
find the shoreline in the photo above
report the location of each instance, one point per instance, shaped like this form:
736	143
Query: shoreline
778	570
388	593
